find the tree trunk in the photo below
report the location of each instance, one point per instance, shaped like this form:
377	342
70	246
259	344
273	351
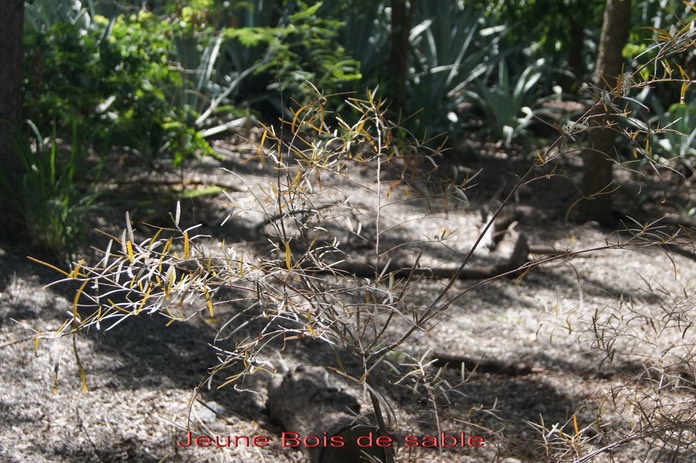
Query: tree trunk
401	22
11	29
597	177
576	46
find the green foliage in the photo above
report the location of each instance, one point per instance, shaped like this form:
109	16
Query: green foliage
365	35
40	15
116	79
450	52
150	107
677	140
664	80
54	201
507	107
302	46
557	30
660	21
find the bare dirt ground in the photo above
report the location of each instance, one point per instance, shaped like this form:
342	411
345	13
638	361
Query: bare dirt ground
574	357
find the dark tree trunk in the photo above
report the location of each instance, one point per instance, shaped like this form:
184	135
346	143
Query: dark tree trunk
575	51
401	22
11	28
597	177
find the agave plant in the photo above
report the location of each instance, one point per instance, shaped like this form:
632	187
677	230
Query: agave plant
507	107
41	14
365	35
451	50
677	139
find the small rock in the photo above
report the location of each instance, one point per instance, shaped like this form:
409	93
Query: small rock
210	411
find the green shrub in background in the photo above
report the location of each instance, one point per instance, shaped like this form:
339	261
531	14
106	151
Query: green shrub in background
93	83
151	83
154	110
508	106
56	192
452	48
300	46
563	32
154	81
677	141
451	45
668	109
116	78
364	35
158	73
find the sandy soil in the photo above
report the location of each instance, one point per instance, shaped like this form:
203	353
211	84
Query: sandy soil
541	331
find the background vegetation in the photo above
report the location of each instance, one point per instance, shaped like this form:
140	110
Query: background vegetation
158	79
157	82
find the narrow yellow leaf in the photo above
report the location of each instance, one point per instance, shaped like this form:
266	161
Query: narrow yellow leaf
575	425
684	88
167	247
684	74
288	255
171	276
209	302
263	141
83	378
668	69
77	298
311	331
145	297
36	344
296	120
76	271
187	245
296	181
53	267
113	305
153	241
83	372
129	248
